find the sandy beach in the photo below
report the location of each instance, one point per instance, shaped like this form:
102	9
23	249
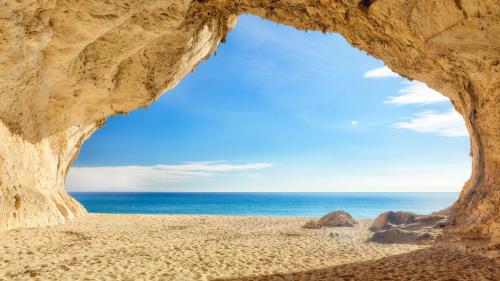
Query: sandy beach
179	247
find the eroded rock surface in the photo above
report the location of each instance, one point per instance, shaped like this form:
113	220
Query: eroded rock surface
337	219
332	219
408	220
65	66
407	228
402	236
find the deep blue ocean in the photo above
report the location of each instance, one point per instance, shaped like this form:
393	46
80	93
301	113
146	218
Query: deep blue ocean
360	205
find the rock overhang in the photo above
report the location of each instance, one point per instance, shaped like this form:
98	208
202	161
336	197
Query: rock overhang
67	66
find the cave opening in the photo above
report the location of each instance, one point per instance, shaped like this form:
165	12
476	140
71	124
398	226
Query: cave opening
282	110
67	66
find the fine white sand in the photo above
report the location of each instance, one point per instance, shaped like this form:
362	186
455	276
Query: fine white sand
181	248
176	247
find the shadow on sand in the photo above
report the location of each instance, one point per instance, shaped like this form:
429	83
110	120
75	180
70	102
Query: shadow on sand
434	263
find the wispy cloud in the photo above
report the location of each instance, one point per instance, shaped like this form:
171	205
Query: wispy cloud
126	178
448	124
416	92
380	72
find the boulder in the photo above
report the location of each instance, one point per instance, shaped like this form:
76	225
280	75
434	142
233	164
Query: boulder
333	219
336	219
430	220
389	219
407	228
407	220
401	236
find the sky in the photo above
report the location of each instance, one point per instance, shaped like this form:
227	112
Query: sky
283	110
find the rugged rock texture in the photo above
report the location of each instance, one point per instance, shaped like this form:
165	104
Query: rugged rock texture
388	219
32	178
337	218
333	219
65	66
408	220
401	236
407	228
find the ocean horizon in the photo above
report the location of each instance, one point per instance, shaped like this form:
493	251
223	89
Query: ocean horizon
291	204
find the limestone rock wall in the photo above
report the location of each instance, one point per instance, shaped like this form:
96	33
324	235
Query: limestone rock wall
32	178
66	65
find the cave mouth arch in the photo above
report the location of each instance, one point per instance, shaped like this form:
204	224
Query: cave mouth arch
64	78
310	59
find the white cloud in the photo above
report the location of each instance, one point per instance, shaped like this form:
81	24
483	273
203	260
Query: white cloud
417	93
448	124
380	72
354	123
135	178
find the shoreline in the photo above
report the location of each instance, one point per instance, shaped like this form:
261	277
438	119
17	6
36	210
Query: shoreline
226	216
360	205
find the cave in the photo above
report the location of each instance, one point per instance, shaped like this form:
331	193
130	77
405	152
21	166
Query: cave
66	66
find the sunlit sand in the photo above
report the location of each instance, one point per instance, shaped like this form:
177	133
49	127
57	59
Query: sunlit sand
176	247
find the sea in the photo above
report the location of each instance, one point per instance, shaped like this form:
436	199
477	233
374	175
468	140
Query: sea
313	204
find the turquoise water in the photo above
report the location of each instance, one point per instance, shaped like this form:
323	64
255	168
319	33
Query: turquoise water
360	205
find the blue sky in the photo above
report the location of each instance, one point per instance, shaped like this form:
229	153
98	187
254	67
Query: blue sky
277	109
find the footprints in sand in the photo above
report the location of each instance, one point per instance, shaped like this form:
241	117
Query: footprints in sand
135	247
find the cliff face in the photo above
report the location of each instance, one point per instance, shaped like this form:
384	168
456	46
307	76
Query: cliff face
67	65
